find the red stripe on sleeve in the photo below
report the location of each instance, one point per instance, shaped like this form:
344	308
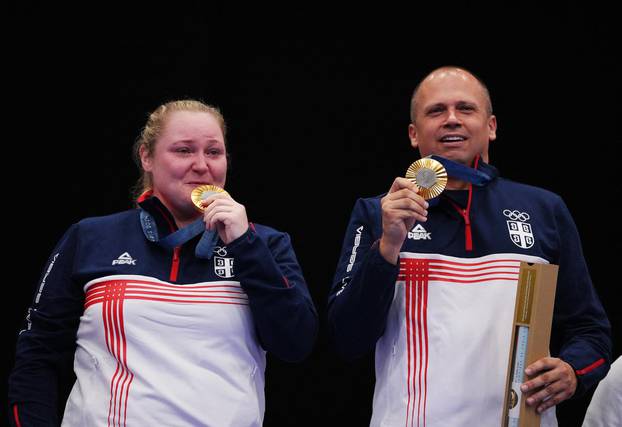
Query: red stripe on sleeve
591	367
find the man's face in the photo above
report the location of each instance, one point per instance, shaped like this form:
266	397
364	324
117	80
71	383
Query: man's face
451	118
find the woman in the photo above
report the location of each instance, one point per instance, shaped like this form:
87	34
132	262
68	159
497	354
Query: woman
168	308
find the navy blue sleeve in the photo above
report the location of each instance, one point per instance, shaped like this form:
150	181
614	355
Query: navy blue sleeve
282	308
363	286
581	330
46	346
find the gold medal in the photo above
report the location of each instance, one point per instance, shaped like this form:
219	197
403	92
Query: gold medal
429	175
202	192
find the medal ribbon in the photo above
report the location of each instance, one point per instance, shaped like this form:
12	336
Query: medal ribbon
463	173
205	247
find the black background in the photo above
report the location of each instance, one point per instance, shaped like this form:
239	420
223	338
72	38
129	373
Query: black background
316	101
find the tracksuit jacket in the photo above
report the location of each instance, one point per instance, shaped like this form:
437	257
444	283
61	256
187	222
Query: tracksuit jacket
441	320
158	336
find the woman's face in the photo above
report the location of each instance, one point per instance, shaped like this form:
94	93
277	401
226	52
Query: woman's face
190	152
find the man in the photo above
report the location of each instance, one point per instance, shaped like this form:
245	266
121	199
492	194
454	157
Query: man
432	285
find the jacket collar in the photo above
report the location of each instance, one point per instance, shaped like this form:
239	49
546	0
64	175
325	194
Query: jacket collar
165	222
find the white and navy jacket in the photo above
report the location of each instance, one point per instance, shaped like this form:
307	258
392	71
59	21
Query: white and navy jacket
159	336
441	320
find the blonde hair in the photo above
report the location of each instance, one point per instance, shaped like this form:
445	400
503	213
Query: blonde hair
153	129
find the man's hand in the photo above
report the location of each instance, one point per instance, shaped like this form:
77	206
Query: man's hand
554	381
401	208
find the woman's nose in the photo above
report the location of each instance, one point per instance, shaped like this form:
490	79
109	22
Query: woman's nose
200	163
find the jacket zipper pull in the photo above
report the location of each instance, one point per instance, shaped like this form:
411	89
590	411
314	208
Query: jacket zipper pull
468	238
175	264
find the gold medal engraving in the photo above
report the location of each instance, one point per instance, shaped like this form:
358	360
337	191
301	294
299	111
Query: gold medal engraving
429	175
202	192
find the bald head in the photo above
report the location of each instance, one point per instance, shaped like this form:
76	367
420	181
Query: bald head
438	76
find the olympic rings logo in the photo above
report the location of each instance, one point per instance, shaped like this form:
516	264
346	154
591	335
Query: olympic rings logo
516	215
220	250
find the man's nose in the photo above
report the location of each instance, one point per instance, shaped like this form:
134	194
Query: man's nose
452	120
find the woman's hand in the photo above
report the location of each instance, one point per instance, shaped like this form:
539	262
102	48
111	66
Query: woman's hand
226	216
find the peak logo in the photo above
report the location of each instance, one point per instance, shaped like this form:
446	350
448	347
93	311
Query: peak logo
125	258
419	233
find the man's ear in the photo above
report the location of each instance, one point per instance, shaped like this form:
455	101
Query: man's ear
412	135
492	128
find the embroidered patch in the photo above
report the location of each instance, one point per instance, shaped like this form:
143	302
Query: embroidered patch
520	231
